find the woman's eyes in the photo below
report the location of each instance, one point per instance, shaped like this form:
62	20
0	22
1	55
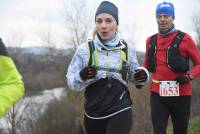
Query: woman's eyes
106	20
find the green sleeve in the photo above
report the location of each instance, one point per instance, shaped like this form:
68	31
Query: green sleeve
11	84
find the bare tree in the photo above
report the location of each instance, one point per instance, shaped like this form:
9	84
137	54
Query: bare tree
47	36
15	39
196	23
56	57
17	117
78	20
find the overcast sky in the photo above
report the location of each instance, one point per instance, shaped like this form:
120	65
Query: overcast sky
24	18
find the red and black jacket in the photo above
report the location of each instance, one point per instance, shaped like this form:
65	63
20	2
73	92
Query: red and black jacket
187	49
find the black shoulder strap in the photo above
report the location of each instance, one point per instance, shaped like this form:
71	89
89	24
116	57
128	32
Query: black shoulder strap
124	63
91	50
177	40
153	41
125	49
151	61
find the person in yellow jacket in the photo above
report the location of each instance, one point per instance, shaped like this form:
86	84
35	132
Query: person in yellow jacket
11	84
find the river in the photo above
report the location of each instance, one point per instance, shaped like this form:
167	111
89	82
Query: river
32	104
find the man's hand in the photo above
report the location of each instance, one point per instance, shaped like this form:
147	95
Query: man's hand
182	79
139	86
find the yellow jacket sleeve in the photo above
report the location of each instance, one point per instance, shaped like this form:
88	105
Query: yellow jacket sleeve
11	84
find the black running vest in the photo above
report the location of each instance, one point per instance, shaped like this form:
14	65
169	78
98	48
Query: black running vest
174	60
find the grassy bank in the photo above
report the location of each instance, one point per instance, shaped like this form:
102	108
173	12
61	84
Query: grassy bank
194	126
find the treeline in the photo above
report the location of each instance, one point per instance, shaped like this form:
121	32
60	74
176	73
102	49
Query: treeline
42	70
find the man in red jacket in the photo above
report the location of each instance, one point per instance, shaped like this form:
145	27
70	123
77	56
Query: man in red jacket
167	57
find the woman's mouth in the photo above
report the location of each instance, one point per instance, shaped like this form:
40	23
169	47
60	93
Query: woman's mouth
104	33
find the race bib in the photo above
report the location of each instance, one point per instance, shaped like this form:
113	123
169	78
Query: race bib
169	88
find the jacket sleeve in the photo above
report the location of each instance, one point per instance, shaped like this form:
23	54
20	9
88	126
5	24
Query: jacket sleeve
11	84
135	65
78	62
194	54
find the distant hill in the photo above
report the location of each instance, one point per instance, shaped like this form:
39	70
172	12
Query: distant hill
36	50
39	50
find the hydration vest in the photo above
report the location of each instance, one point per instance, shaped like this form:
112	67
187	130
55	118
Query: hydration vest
93	58
174	60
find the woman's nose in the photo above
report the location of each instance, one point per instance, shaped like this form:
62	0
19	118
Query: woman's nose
103	24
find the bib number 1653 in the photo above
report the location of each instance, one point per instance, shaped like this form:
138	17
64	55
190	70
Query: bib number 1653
169	88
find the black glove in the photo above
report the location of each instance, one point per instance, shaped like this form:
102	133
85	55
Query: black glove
139	86
140	75
182	79
88	72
